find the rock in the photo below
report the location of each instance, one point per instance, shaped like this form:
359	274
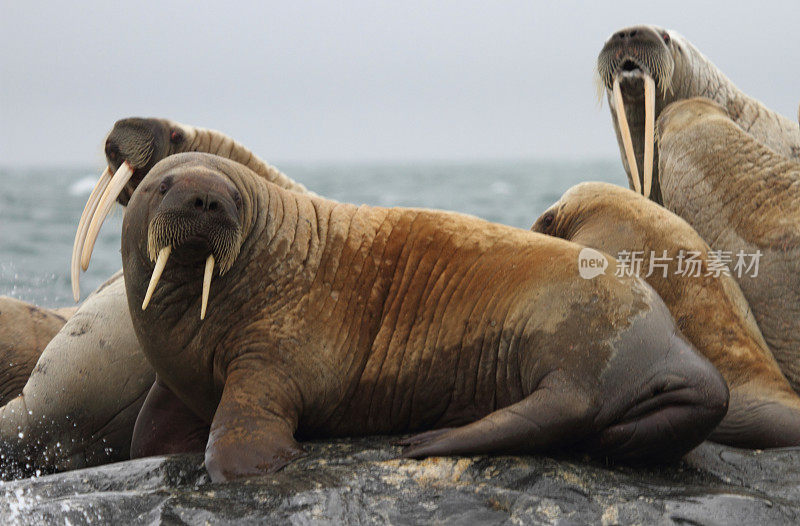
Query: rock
361	481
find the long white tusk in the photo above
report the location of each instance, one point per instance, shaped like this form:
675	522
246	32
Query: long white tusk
206	285
649	128
110	195
161	262
83	228
625	132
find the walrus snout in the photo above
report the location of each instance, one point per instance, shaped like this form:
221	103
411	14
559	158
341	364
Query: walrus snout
201	195
633	52
141	142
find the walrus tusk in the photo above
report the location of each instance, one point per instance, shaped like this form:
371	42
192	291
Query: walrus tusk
161	262
625	132
83	228
118	182
649	127
207	285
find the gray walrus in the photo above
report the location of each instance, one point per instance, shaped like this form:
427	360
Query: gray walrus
80	403
78	407
25	330
706	302
743	198
645	68
327	319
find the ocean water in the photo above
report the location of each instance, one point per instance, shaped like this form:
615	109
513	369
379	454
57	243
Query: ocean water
39	209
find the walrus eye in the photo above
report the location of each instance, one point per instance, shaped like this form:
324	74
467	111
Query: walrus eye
548	220
175	137
237	199
665	36
164	186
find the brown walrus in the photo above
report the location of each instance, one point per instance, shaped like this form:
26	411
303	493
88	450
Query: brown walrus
645	68
741	197
327	319
135	145
707	303
79	406
25	330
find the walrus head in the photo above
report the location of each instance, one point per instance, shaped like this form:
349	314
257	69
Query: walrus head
187	211
637	68
141	143
132	148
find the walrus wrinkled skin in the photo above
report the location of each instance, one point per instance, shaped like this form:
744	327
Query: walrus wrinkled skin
328	319
79	406
709	307
740	196
679	71
25	330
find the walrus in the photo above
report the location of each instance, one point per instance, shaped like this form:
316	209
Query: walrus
271	316
92	378
25	330
80	403
132	148
709	307
742	197
645	68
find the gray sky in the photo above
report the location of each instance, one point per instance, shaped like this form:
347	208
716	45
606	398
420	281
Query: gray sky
351	79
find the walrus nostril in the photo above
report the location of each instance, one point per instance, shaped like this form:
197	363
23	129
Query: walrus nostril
632	33
198	203
213	205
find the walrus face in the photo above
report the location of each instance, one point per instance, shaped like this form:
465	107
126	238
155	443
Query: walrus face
192	214
140	143
132	148
601	215
636	67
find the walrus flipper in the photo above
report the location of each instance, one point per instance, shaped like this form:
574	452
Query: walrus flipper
165	425
253	428
548	418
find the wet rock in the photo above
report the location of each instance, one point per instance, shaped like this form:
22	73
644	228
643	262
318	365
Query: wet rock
361	481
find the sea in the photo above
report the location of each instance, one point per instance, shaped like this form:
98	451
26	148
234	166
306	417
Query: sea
40	208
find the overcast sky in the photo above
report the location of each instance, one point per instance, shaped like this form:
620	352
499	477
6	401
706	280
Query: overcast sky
354	80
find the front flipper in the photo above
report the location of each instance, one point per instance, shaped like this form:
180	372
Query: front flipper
551	417
253	428
165	425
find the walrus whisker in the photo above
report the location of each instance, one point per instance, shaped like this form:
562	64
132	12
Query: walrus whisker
161	262
649	129
206	285
112	191
83	227
625	132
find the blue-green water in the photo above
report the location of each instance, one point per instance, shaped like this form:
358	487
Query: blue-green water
39	209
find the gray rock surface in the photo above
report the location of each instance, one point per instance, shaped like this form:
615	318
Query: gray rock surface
361	481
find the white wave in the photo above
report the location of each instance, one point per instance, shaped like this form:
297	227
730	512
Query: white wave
501	188
83	186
